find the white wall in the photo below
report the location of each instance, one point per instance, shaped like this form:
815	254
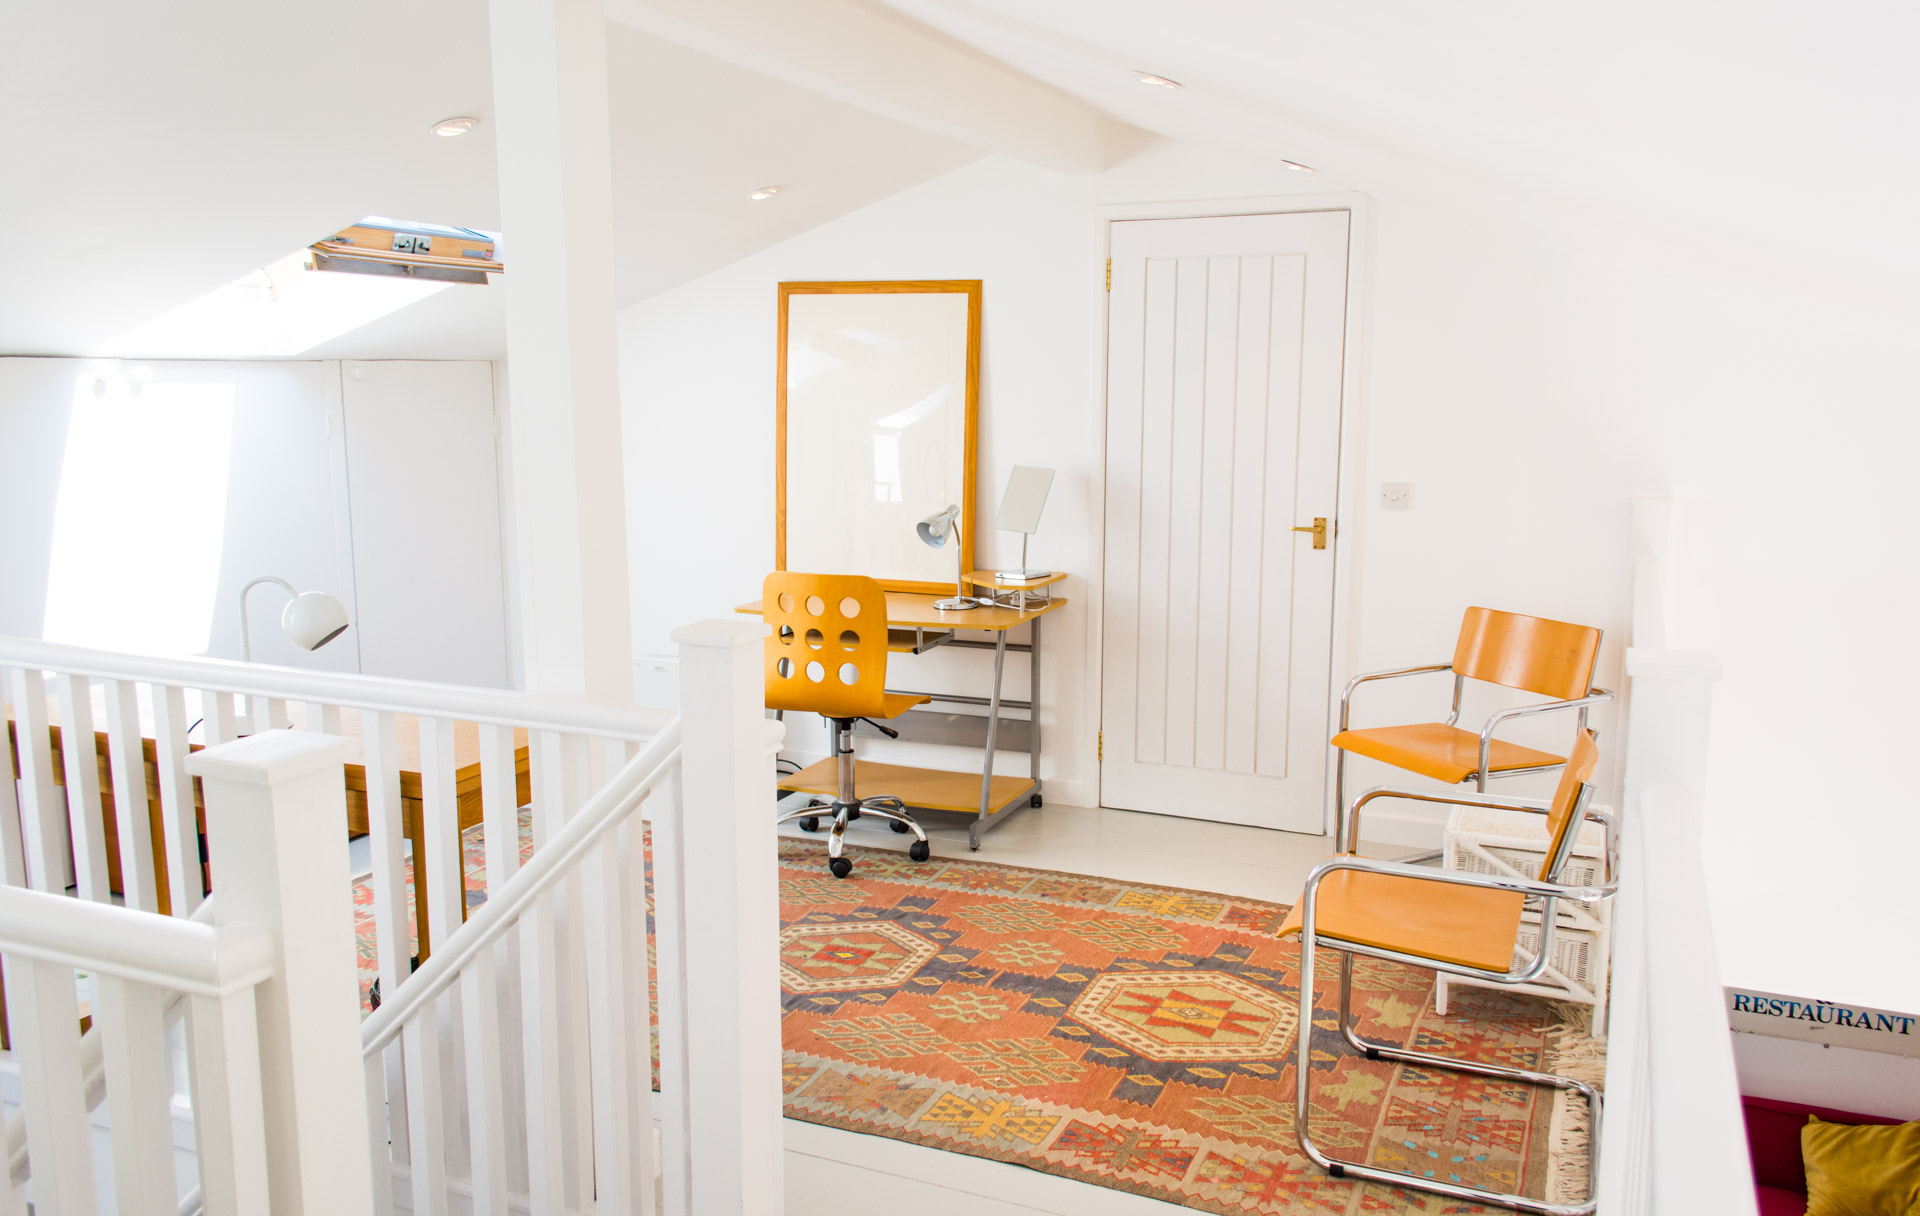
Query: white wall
1528	378
139	496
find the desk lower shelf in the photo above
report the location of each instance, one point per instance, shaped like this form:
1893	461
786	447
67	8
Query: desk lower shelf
928	788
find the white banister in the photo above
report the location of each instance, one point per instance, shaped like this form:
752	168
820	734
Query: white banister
275	803
730	899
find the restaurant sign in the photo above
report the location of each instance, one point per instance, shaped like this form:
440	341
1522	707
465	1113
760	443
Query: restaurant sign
1831	1022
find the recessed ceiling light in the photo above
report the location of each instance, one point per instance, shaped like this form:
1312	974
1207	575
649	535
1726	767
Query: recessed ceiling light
1161	81
451	127
1298	167
764	192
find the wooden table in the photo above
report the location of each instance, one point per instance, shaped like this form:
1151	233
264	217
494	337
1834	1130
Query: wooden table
466	758
915	626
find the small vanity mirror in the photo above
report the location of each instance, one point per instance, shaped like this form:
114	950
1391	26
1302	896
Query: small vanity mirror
877	394
1020	509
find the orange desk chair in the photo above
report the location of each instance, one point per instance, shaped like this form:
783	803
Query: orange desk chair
1530	653
827	655
1446	921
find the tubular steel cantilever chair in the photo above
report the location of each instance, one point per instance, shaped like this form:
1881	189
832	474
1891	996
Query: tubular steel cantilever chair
1530	653
827	655
1444	920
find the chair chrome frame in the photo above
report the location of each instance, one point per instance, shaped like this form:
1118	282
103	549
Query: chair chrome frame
1346	833
847	806
1546	892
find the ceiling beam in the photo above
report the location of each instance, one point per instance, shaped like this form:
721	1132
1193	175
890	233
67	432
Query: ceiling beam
869	57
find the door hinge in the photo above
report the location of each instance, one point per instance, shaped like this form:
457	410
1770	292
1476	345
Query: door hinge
1109	274
1100	747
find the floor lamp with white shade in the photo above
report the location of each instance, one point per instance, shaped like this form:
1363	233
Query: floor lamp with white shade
310	620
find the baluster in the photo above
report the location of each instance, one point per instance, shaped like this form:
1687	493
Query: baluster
670	948
576	1079
380	1118
380	751
426	1113
446	895
85	821
479	998
500	820
229	1116
268	713
131	1018
540	1038
179	820
217	718
129	772
321	718
623	1181
13	847
46	1043
42	813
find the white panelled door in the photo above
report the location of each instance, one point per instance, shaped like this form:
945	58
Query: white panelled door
1225	348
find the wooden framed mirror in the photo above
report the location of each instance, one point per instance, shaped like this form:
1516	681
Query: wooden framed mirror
878	395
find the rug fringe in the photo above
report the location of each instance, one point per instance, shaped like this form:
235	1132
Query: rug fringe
1572	1052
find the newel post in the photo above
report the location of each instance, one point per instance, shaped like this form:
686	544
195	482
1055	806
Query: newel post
731	901
276	806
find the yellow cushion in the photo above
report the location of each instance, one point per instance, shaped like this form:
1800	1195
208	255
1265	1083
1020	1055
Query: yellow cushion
1861	1171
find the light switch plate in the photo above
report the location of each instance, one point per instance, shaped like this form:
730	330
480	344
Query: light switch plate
1396	496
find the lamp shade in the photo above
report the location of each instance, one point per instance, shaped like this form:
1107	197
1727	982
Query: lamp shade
935	529
312	619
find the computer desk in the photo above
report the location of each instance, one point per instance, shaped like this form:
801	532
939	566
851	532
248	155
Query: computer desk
915	626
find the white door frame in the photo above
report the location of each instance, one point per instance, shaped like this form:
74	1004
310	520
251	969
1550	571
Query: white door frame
1347	498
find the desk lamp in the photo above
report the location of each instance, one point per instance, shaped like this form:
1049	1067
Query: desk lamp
1020	509
933	530
310	621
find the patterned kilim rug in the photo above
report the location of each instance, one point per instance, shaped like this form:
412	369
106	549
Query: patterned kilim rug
1129	1036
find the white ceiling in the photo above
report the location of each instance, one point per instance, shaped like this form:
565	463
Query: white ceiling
1774	136
150	160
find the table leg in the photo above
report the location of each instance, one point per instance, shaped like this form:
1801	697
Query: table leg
993	729
1033	709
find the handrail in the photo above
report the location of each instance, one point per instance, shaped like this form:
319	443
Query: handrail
492	706
93	1067
551	863
168	952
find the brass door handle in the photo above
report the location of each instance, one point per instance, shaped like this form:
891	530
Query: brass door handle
1319	530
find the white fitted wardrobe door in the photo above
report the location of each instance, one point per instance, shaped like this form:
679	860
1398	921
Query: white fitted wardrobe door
1226	342
424	487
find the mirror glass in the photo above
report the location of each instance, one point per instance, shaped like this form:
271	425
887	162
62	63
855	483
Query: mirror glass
877	421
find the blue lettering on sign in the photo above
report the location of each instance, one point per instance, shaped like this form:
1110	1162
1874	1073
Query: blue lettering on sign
1824	1013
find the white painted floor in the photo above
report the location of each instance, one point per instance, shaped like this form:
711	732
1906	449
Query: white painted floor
838	1173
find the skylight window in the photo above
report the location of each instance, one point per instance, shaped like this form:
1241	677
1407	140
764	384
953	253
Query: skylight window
283	309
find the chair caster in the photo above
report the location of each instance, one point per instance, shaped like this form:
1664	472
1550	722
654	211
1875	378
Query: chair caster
810	824
1034	801
920	851
840	866
898	826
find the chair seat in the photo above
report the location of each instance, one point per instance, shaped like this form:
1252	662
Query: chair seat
1441	921
1433	749
900	702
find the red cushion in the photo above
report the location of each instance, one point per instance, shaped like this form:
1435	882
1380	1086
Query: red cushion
1773	1141
1777	1201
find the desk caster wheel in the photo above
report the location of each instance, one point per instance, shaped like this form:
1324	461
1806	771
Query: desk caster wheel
840	866
810	824
898	826
920	851
1034	801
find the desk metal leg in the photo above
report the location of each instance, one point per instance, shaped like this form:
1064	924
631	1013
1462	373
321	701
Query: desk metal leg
1033	709
993	729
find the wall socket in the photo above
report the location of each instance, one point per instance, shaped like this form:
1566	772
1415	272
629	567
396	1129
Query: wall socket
1396	496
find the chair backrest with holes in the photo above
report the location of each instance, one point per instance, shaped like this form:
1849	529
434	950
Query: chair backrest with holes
1569	806
1552	658
827	653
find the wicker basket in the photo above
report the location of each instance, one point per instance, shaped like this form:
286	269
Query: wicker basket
1482	840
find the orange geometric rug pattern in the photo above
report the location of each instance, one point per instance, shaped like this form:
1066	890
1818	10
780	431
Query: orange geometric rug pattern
1130	1036
1136	1037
